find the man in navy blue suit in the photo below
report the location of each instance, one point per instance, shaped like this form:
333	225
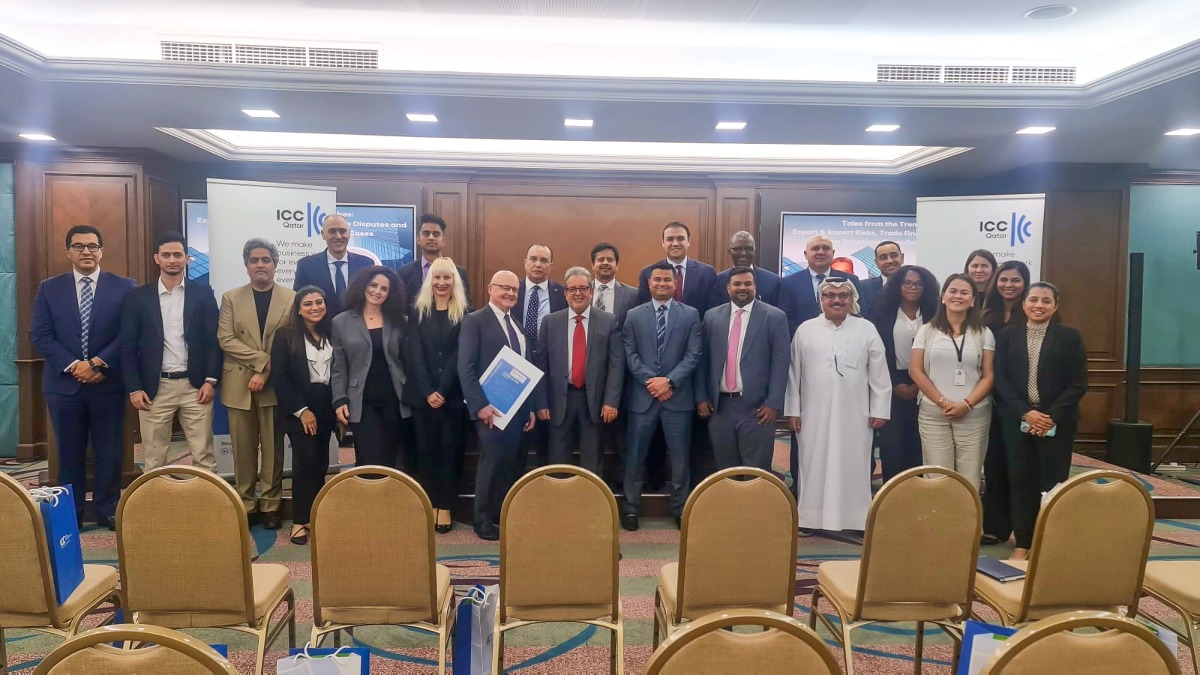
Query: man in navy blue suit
694	280
537	297
76	327
741	251
663	347
431	240
483	334
798	292
332	269
888	258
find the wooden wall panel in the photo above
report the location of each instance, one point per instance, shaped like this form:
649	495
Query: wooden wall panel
736	211
165	215
449	201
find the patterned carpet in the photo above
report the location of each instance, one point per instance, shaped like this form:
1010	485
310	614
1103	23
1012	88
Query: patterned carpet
573	648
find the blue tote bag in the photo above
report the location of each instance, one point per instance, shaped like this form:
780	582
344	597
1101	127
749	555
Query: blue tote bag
62	536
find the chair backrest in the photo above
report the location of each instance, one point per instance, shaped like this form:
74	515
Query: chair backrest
172	653
372	543
559	542
1052	646
922	541
26	586
183	544
737	544
701	647
1090	544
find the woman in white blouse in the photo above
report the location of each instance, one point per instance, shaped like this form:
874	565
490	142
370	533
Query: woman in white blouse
952	366
910	298
301	363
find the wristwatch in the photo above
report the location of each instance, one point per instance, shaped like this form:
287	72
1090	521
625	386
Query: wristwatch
671	383
97	366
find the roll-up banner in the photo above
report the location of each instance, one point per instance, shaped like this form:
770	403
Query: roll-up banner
1011	227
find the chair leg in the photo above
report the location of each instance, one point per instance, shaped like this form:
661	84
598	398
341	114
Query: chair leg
847	647
3	654
1191	631
617	649
812	607
920	644
292	622
654	630
443	633
498	652
337	638
262	648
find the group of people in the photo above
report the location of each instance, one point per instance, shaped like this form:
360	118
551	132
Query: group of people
397	357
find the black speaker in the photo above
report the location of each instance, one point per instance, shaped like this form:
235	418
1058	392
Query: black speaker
1129	439
1129	445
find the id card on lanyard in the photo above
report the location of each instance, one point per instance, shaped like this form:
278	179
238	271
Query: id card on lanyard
960	375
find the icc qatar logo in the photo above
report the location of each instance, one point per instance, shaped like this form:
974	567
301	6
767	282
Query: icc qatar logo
297	218
1017	229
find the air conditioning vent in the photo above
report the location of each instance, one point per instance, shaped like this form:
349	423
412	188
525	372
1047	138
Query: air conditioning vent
197	52
295	56
927	74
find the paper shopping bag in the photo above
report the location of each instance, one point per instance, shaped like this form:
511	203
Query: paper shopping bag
322	661
476	619
980	641
62	537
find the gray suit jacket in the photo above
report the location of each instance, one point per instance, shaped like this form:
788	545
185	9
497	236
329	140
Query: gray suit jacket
624	298
352	360
766	352
604	372
682	352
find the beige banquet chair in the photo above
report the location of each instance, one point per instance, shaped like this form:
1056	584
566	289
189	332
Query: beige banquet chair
27	595
1176	584
918	560
1052	645
704	647
737	550
559	552
373	557
1089	552
172	653
184	549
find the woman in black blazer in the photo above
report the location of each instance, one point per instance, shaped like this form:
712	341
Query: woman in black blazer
432	387
1039	409
910	299
301	367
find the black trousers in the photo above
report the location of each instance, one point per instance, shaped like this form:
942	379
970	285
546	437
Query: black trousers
377	434
100	418
440	435
1036	464
900	439
577	418
501	463
997	492
310	463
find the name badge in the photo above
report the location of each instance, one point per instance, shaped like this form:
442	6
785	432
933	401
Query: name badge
960	378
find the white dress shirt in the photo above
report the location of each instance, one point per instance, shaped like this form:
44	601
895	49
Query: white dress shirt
741	343
504	328
606	292
330	260
320	360
904	331
587	313
175	350
94	276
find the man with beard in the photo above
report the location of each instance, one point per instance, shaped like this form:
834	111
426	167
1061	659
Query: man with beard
741	251
742	385
838	393
611	295
888	258
431	243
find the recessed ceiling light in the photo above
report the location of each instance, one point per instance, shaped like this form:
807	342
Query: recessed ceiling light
1186	131
730	126
569	122
421	117
1035	130
1050	12
883	127
36	137
262	113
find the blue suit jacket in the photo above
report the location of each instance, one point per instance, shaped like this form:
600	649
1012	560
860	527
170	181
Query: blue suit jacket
798	300
870	293
480	338
56	331
766	287
699	282
681	355
314	270
766	352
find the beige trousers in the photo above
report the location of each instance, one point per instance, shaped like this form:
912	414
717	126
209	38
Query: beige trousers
177	396
257	456
960	445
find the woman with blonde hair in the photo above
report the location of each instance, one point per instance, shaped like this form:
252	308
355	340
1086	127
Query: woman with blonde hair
432	388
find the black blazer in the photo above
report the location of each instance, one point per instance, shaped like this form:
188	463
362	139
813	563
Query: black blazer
1062	373
313	270
142	337
410	274
431	352
290	377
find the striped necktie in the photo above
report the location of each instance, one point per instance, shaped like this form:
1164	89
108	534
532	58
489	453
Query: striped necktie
85	314
660	335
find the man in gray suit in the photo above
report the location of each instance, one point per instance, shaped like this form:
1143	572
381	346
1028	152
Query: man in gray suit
743	378
583	357
663	346
611	295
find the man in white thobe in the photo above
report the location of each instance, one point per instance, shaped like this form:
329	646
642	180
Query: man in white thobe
839	392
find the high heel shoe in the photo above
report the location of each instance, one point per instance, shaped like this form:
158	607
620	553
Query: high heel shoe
439	527
300	538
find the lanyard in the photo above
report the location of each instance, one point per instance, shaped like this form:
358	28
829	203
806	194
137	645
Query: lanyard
958	348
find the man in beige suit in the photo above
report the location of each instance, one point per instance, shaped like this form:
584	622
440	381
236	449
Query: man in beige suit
250	315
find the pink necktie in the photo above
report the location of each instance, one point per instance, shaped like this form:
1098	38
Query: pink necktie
735	339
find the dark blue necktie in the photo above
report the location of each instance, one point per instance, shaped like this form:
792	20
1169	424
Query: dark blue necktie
339	278
513	340
532	305
660	335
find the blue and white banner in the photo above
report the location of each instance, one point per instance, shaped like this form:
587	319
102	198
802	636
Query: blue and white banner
854	237
382	232
1011	227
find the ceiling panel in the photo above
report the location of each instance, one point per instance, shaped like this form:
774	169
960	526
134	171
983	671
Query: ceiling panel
807	12
726	11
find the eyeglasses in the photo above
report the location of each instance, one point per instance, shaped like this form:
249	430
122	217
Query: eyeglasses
835	296
80	248
578	290
506	289
912	284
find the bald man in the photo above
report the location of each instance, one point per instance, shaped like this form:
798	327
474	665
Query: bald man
332	269
798	292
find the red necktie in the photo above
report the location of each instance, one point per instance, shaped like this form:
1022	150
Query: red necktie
578	353
679	283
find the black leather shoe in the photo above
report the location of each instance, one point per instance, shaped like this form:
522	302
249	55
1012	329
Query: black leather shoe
679	522
629	521
301	537
271	521
107	521
487	532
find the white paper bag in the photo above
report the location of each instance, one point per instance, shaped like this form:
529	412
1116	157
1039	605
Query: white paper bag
982	647
337	663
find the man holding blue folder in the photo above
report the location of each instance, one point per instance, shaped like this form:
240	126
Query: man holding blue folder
484	333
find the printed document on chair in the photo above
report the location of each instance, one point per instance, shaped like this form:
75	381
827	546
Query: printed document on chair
507	382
